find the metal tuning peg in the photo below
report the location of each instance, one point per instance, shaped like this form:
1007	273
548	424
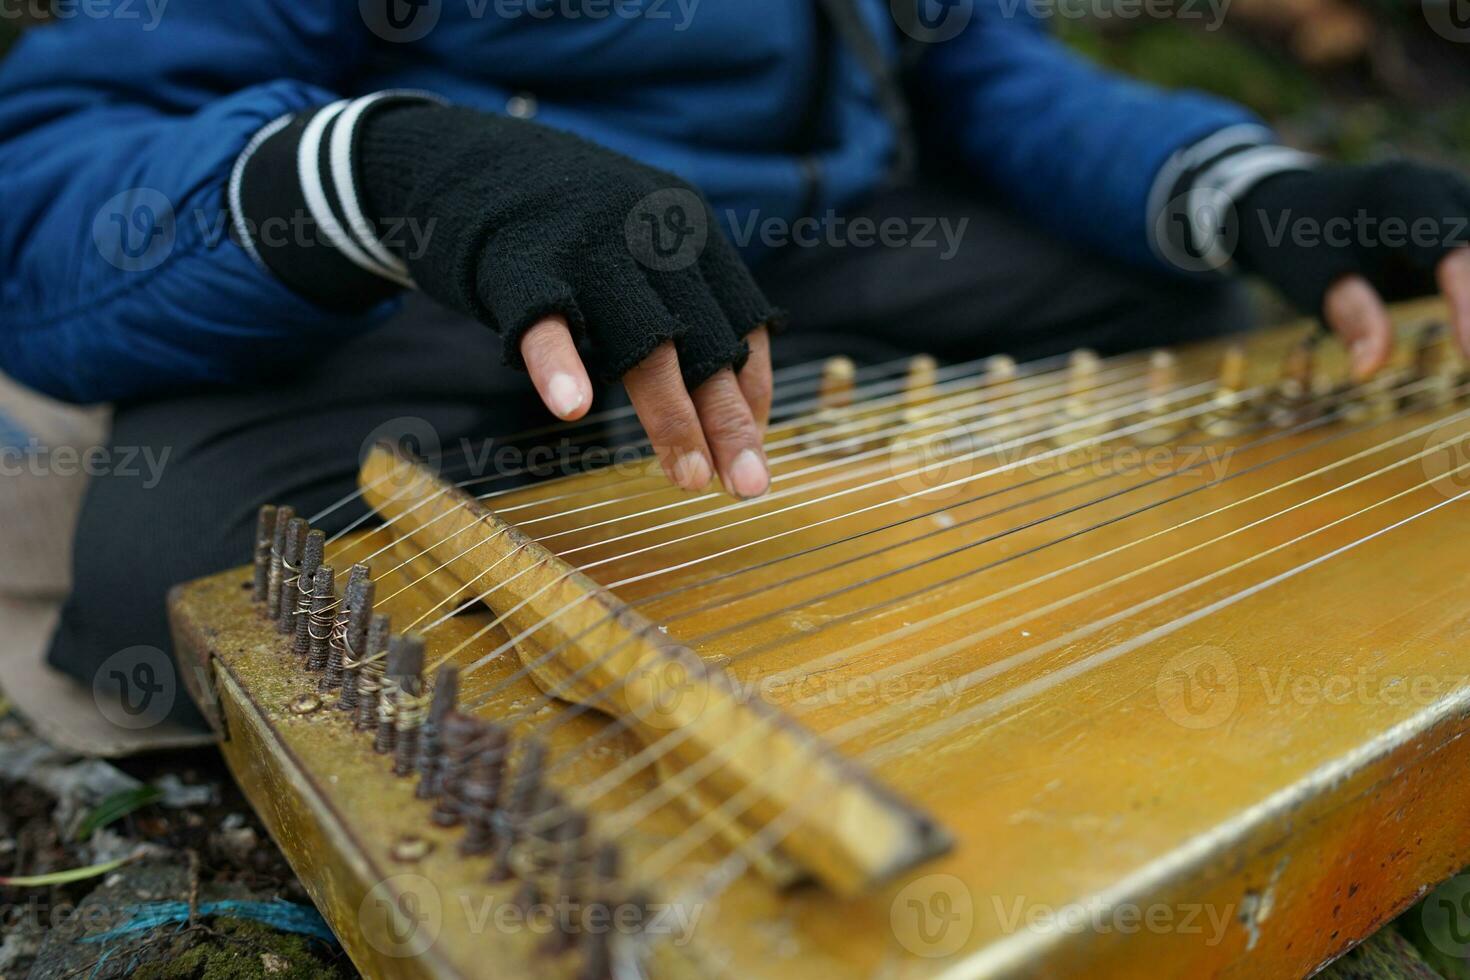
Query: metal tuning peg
836	427
1231	412
919	416
1295	399
1163	378
1436	365
838	380
918	389
1078	418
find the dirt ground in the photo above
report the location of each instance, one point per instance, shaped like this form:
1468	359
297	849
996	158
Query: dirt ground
196	844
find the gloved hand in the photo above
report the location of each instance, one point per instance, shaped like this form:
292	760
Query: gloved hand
556	243
1339	241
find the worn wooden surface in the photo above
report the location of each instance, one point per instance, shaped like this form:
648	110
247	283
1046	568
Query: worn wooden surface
1220	735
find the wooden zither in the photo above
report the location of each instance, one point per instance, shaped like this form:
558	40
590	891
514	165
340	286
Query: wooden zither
1148	665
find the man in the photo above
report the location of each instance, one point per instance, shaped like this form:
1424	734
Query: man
213	216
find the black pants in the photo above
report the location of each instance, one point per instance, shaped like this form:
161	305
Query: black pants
996	286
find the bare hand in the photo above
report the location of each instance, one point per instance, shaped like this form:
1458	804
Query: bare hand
718	426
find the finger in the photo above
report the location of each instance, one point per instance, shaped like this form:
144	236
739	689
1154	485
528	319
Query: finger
1453	273
656	387
755	377
556	368
1355	311
733	435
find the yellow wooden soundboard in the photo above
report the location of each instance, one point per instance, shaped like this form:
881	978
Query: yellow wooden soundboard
1190	710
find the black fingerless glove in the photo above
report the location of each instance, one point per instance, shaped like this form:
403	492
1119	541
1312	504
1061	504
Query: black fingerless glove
502	219
1390	223
530	221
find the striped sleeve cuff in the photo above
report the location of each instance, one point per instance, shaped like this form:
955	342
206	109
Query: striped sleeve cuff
1192	220
296	207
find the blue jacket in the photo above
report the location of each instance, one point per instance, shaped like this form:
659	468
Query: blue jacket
117	135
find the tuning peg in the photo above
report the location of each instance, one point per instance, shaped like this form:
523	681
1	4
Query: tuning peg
1231	411
918	388
838	378
1163	379
1077	419
1297	389
265	530
295	541
284	516
311	559
1437	364
923	375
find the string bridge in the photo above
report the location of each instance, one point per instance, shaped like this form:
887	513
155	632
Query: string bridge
582	644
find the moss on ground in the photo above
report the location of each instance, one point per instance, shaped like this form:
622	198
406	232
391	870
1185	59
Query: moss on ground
234	949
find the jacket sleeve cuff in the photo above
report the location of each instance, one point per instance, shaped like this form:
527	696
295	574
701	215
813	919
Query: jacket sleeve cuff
1192	219
295	207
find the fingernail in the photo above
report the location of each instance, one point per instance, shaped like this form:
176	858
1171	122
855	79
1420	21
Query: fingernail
565	394
692	471
748	474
